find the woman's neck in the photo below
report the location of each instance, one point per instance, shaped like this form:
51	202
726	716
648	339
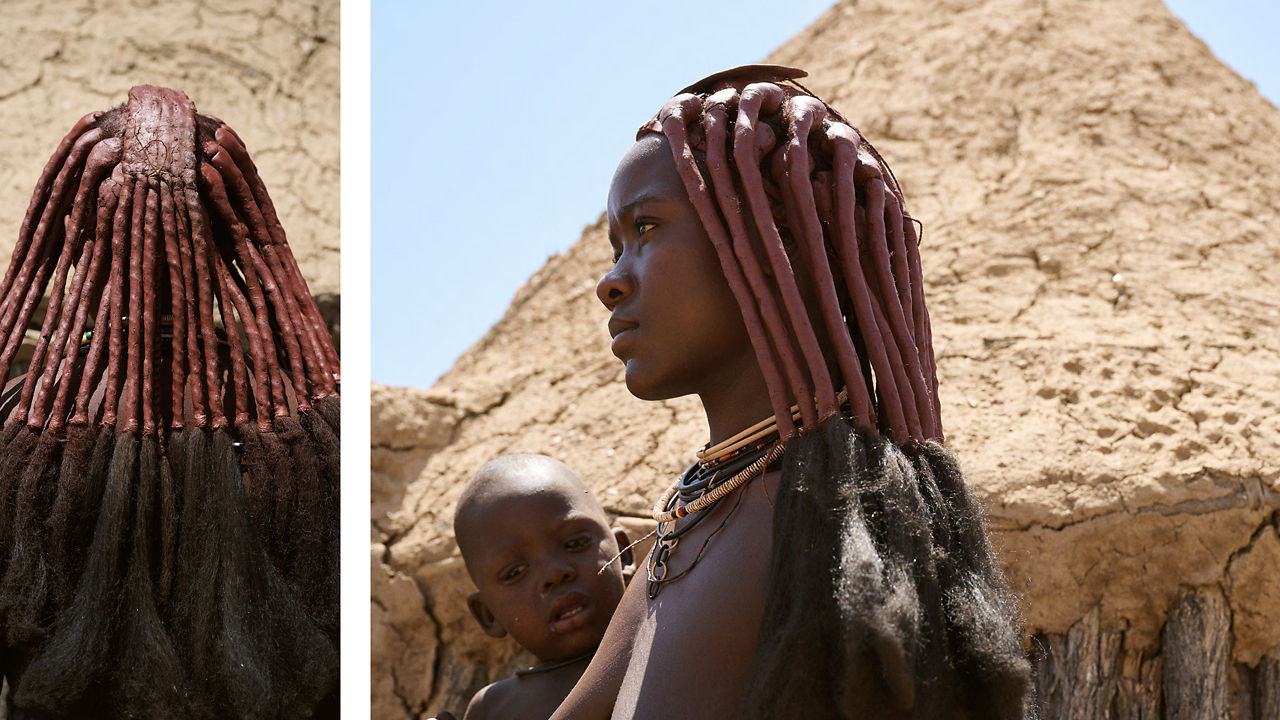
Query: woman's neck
738	404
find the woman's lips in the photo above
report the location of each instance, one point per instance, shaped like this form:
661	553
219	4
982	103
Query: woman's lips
623	331
622	340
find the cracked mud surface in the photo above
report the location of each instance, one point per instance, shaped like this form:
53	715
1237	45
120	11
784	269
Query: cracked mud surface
270	70
1101	263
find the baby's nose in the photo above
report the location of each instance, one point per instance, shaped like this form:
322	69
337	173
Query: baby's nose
557	574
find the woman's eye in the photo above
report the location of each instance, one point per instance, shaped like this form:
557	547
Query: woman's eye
643	226
578	543
511	573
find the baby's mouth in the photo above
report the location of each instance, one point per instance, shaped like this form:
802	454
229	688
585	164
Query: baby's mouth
571	611
571	614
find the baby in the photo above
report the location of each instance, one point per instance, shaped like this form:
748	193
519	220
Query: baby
538	547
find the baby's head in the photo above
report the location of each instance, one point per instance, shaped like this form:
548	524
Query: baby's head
534	541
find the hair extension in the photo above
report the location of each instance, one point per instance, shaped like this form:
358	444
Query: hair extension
905	613
24	583
169	457
778	334
321	560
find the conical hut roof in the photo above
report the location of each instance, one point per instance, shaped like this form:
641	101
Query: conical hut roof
1099	195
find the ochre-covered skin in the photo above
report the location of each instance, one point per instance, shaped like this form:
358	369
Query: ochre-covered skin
169	481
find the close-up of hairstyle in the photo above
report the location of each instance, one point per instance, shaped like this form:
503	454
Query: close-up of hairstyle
814	239
169	458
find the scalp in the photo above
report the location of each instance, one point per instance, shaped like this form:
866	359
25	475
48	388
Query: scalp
516	476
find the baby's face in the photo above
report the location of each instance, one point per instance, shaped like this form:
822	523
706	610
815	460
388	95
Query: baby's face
537	566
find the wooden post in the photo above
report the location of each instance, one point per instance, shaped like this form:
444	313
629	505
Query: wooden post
1196	647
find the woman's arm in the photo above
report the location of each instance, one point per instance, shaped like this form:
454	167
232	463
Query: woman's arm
597	690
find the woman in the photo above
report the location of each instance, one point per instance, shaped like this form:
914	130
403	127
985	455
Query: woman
765	261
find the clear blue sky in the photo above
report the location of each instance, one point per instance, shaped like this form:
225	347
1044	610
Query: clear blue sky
465	208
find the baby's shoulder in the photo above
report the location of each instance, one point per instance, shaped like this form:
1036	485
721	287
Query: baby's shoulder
492	701
533	696
514	699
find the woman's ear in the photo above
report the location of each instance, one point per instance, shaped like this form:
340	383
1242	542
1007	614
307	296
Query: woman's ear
626	557
484	616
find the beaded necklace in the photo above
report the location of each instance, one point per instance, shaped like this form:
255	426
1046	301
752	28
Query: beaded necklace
719	470
699	490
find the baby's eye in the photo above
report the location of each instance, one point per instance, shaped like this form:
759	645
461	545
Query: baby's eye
511	573
578	543
644	226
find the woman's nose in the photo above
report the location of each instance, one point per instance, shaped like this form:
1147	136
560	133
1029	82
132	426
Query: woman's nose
615	286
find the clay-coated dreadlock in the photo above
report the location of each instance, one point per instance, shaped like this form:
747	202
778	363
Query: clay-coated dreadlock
907	613
169	460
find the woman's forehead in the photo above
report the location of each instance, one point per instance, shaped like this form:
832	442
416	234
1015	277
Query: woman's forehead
647	168
647	146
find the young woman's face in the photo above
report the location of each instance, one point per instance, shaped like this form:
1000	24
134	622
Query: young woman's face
674	321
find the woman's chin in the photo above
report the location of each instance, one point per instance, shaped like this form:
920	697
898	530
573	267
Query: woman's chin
641	384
